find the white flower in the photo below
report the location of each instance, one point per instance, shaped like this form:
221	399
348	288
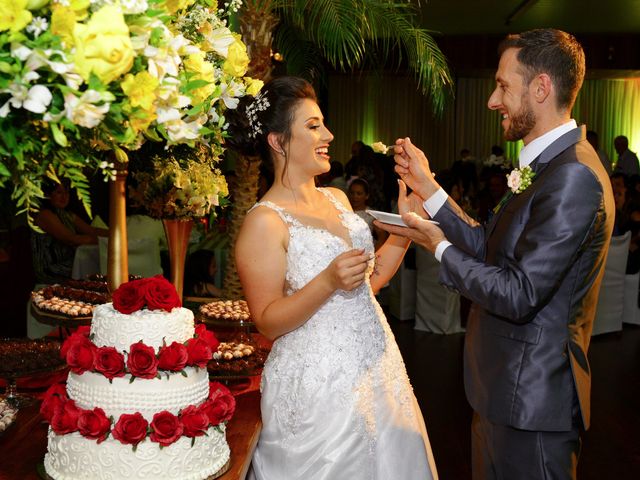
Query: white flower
20	52
380	147
220	40
83	111
35	99
513	180
520	178
180	130
37	26
134	6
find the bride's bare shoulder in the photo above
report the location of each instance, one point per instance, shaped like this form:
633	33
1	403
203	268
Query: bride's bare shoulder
263	219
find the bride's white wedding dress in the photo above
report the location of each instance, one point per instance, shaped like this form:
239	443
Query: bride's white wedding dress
336	399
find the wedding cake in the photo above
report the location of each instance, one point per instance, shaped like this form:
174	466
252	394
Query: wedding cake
138	402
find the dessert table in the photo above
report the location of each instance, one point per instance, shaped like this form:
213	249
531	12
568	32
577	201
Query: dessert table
24	443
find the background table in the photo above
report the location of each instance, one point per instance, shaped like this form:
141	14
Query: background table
24	444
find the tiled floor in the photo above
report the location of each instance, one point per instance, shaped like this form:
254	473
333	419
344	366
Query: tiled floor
611	447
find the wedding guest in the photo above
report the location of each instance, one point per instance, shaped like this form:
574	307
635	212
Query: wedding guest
200	273
592	138
336	400
358	198
627	160
54	249
534	273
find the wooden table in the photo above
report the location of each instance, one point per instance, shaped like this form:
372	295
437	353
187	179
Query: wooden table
24	444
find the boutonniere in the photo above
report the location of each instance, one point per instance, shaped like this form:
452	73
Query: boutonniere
520	178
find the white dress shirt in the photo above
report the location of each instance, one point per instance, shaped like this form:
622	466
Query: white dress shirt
528	154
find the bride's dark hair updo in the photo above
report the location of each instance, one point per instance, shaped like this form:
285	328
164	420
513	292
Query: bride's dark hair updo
271	110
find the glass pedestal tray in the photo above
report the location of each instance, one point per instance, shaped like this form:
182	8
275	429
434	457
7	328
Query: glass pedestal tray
59	319
21	358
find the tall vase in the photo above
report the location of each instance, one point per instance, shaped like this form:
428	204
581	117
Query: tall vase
117	255
177	232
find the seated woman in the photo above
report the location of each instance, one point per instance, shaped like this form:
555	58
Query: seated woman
53	250
200	272
358	194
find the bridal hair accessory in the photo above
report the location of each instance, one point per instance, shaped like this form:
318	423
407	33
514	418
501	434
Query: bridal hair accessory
260	104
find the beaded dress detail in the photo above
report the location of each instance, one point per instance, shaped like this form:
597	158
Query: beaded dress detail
336	399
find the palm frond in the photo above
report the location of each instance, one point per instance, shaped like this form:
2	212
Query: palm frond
345	30
302	56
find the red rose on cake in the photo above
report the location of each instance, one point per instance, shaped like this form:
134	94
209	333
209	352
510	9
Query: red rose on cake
220	405
54	397
155	293
142	361
130	429
94	424
160	294
199	352
166	428
173	357
194	420
81	335
109	362
129	297
81	355
207	336
65	418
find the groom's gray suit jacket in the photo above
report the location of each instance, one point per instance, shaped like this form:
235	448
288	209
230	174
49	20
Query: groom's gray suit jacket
534	275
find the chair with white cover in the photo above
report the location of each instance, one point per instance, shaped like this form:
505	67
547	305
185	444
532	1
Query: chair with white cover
631	312
611	300
437	308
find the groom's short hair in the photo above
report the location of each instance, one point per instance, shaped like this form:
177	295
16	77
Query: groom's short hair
554	52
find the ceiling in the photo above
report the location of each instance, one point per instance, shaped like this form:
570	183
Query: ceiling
466	17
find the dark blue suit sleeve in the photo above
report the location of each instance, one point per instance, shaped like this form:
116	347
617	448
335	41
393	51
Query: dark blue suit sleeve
549	237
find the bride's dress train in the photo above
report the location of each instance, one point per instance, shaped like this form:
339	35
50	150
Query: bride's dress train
336	399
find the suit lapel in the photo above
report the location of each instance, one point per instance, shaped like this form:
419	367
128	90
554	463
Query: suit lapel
540	163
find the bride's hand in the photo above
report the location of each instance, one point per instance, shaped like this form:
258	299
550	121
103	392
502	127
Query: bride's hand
409	203
347	270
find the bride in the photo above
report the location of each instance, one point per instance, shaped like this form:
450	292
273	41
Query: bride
336	399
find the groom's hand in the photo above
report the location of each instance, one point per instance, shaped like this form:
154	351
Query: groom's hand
409	203
421	231
413	167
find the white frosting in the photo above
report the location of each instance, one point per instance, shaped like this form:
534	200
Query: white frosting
114	329
147	396
73	457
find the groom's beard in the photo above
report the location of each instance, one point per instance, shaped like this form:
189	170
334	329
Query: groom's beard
521	123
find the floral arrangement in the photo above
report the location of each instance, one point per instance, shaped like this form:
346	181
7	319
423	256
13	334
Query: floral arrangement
179	184
155	293
165	428
520	178
141	361
80	78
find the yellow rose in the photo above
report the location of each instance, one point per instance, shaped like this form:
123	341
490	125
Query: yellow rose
103	45
140	89
237	60
63	20
174	5
14	15
203	70
254	85
80	8
36	4
141	119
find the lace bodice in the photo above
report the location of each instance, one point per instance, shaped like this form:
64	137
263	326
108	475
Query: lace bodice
345	340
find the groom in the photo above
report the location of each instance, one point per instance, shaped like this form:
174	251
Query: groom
533	273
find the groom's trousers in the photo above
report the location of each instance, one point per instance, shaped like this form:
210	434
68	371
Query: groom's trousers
505	453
